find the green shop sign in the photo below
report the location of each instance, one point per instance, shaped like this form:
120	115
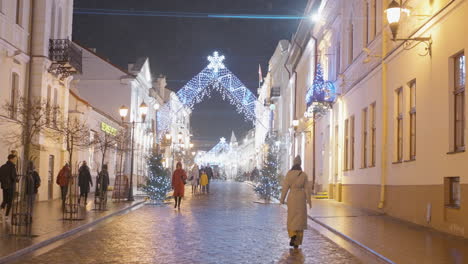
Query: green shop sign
108	129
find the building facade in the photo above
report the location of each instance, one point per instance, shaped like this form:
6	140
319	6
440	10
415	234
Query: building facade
37	63
394	140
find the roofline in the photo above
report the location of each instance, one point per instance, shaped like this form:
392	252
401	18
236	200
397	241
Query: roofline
79	98
104	59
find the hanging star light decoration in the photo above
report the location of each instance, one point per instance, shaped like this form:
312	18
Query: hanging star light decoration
215	77
216	62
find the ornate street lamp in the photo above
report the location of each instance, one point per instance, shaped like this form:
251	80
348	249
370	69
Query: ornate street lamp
123	112
393	13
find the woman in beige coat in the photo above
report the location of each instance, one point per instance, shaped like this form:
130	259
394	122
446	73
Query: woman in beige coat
297	185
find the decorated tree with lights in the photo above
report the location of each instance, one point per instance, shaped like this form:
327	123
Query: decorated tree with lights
320	96
158	183
268	185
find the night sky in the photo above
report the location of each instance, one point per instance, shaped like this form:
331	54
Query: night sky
178	47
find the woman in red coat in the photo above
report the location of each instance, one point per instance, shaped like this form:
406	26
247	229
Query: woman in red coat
178	184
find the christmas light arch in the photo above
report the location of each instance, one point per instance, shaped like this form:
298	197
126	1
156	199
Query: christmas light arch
215	77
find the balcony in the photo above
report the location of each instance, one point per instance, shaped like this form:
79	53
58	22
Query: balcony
66	58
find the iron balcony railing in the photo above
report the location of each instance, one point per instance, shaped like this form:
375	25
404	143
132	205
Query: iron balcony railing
66	58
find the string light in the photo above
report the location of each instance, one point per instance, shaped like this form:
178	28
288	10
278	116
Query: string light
215	77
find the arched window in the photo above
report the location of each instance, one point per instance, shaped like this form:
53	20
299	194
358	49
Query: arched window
14	94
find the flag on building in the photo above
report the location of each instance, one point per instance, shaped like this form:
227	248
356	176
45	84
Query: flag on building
260	76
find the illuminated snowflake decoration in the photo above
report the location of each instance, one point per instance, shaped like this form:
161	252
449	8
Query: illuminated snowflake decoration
215	77
216	62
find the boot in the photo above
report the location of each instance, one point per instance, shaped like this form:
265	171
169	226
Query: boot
180	200
175	204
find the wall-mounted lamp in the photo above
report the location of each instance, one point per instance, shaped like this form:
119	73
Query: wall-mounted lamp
295	123
393	13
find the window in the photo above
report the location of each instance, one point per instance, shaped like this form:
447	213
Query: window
399	124
352	140
19	12
48	104
338	60
364	139
55	108
459	102
373	137
412	115
452	192
336	150
373	20
14	95
350	43
366	26
346	145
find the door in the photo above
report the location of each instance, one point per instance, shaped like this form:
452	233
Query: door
51	177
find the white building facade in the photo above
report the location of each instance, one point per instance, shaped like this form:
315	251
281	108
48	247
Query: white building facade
394	140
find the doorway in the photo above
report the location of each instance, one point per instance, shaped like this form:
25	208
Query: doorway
51	177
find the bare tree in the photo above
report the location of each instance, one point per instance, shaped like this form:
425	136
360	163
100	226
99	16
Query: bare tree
105	142
73	133
33	116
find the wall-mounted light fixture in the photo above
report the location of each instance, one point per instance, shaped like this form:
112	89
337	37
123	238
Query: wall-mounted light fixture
295	123
393	12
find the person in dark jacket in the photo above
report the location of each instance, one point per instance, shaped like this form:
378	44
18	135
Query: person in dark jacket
8	179
209	172
84	180
33	181
103	181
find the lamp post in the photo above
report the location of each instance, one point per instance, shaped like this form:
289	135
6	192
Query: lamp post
123	111
156	109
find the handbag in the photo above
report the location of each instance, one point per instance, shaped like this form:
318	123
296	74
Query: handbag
183	180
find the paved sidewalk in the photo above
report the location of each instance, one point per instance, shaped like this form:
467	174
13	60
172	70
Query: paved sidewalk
49	227
395	240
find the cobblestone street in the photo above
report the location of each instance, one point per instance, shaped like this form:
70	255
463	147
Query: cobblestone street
225	226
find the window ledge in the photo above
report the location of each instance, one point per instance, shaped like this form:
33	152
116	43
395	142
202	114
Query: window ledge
455	152
397	162
450	206
371	166
363	168
410	160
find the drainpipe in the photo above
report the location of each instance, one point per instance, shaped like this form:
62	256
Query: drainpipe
27	144
383	165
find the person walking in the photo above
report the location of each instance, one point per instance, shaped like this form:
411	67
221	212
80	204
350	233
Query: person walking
296	188
63	179
33	181
203	181
209	173
8	179
178	184
84	180
103	182
195	176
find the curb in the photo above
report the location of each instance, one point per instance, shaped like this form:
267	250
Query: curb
357	243
333	230
27	250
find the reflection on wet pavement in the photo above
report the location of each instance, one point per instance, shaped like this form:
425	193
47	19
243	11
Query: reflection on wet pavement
222	227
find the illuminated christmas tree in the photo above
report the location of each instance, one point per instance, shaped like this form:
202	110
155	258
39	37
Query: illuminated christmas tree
320	96
268	185
159	182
